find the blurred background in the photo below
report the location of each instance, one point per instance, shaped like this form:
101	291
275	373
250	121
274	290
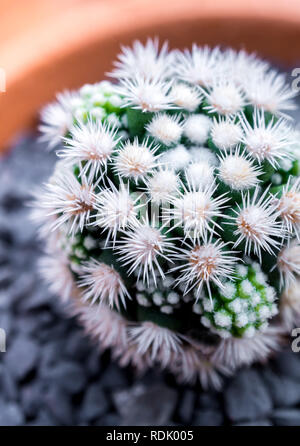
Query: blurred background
51	374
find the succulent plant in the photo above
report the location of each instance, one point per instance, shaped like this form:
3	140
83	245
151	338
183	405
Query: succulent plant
172	219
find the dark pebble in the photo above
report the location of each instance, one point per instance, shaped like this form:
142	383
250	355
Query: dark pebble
31	398
286	417
22	357
77	346
288	363
93	364
146	406
95	403
246	397
114	377
110	419
208	417
67	375
43	419
10	414
8	385
59	405
255	423
208	400
40	298
186	406
285	391
22	287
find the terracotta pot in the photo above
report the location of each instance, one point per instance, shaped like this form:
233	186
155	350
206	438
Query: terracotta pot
50	45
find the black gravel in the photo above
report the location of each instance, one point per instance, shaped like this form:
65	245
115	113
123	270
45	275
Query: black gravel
51	374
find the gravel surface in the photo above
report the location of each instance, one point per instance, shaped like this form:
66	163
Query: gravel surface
52	375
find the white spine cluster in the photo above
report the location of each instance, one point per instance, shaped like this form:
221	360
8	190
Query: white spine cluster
203	264
70	201
163	185
165	129
146	94
289	208
141	249
195	209
225	98
116	210
136	161
257	225
266	141
102	283
225	133
289	264
57	118
91	143
196	128
237	171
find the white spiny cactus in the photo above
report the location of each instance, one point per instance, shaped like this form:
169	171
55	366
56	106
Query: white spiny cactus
174	208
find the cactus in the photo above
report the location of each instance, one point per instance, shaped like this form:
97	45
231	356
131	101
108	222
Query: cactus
172	219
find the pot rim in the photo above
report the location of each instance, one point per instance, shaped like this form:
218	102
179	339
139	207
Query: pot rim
68	45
